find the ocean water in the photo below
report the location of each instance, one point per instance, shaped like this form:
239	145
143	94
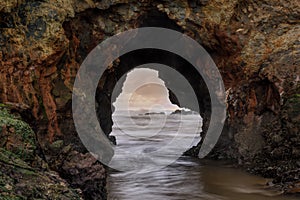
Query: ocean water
168	175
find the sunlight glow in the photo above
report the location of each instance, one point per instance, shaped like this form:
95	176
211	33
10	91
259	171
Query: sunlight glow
143	90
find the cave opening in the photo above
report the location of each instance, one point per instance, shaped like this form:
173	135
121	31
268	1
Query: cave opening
133	59
143	108
146	121
44	43
114	82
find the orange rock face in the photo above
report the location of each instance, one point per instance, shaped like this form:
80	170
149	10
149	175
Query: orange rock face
255	45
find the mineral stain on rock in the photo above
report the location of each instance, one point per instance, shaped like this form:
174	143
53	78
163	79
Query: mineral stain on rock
255	45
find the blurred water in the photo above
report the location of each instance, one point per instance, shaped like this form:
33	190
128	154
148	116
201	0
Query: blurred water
186	178
153	141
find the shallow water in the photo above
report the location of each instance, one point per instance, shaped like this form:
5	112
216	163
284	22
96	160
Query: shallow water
191	179
186	178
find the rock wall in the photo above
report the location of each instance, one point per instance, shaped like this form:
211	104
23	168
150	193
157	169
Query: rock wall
255	45
23	174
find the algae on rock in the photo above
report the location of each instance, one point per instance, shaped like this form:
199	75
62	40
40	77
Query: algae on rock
16	135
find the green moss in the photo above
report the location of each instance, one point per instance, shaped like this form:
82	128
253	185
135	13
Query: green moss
57	145
20	181
2	105
9	197
10	158
22	130
297	96
292	105
294	99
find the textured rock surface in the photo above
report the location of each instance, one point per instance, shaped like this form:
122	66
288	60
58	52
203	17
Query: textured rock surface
255	44
20	181
23	175
16	135
81	170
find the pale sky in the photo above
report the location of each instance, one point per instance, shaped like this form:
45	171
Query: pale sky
144	90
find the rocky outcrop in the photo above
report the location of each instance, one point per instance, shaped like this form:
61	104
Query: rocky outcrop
24	175
255	45
18	180
81	170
